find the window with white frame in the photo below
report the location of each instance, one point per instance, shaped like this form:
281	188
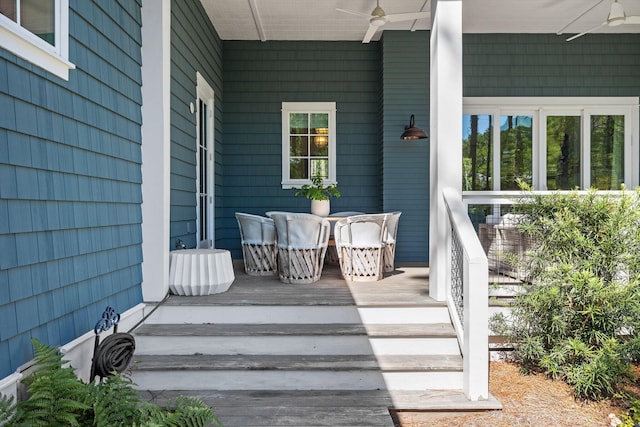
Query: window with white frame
550	143
37	31
308	142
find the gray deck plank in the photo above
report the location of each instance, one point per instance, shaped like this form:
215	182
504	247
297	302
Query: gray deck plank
304	408
350	362
435	330
406	286
401	400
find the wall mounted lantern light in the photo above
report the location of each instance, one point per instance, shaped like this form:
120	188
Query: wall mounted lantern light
412	132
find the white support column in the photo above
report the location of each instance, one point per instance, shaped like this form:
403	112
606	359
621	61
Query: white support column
156	47
445	131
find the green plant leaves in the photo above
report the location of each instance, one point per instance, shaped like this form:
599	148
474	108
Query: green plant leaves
58	398
579	319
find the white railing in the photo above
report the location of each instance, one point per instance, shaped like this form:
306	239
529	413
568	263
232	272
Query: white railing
513	197
467	296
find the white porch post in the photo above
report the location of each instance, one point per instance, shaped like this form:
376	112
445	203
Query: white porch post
445	131
156	28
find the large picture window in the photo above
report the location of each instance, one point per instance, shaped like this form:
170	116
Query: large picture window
38	31
550	143
308	142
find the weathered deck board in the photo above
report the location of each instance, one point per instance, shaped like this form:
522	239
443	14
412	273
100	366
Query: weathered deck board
291	408
300	408
405	286
436	330
397	363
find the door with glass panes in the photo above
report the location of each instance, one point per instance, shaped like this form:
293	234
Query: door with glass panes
205	208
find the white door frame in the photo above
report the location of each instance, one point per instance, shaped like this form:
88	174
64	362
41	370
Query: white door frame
204	93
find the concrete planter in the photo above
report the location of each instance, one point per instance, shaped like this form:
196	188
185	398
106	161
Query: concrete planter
320	207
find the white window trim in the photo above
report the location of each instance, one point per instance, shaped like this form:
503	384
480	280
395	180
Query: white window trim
541	107
23	43
205	92
307	107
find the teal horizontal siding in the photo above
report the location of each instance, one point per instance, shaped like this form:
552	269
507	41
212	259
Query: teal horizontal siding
70	167
405	164
258	77
195	47
546	65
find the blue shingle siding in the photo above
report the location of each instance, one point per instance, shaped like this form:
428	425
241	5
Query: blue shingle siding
195	47
70	183
258	77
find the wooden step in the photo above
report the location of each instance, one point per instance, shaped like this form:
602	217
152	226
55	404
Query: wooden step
398	363
297	372
296	314
304	339
230	404
416	330
299	408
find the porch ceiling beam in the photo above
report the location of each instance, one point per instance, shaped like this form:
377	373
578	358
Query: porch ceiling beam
414	25
253	4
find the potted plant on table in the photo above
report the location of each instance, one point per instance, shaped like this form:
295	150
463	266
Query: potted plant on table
319	194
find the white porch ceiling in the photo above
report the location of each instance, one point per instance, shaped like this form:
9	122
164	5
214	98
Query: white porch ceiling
319	20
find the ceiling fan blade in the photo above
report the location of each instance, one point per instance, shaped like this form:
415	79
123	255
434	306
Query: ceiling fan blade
586	32
370	32
634	20
396	17
353	12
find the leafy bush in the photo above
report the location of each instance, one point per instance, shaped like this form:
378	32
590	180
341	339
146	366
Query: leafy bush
580	315
58	398
632	417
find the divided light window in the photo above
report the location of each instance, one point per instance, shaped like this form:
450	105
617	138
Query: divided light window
38	31
308	142
550	143
36	16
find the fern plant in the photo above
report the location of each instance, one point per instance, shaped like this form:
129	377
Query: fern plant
7	409
115	402
56	395
58	398
184	411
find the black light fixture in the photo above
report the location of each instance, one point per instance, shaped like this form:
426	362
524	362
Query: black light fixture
412	132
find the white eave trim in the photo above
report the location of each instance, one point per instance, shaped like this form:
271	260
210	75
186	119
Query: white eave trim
535	102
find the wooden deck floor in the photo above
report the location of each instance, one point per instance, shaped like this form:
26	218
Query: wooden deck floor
405	287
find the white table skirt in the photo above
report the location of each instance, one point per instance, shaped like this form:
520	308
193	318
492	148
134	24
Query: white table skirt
200	271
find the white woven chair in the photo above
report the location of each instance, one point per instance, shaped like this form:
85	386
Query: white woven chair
360	245
390	241
332	253
258	237
302	245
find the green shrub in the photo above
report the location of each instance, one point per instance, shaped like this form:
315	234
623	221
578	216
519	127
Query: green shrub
58	398
580	315
632	417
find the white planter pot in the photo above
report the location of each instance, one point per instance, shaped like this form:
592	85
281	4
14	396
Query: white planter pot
320	207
